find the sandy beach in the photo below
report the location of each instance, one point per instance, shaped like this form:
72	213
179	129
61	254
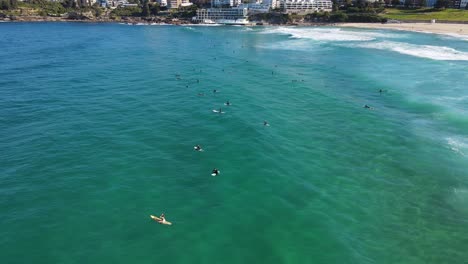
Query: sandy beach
447	29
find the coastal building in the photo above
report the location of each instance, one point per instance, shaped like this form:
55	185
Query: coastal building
222	16
463	4
162	3
225	3
115	3
174	3
305	6
178	3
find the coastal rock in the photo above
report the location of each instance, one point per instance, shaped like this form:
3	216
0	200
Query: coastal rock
80	16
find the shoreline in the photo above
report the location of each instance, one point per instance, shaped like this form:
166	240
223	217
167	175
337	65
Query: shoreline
452	29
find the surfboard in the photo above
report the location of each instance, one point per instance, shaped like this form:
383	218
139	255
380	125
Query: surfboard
214	174
157	219
216	111
227	104
195	148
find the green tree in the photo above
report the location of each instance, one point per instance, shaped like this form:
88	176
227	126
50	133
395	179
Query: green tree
334	6
339	17
146	9
155	8
408	3
5	5
67	3
13	4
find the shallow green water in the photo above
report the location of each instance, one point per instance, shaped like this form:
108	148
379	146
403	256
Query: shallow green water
98	124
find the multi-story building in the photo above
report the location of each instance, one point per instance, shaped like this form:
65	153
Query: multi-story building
177	3
305	6
225	3
222	15
174	3
463	4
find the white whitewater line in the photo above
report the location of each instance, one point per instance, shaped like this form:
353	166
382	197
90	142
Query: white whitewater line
457	145
422	51
329	34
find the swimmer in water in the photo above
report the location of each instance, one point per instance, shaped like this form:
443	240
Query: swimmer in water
367	107
220	110
228	103
265	123
215	171
198	148
215	91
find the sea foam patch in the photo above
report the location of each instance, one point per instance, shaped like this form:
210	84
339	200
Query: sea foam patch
326	34
457	145
422	51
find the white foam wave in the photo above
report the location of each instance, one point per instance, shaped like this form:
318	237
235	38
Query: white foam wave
329	34
457	145
422	51
452	98
451	36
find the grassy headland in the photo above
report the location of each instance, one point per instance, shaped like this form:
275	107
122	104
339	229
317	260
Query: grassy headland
426	14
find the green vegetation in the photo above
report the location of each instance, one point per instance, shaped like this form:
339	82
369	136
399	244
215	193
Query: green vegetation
130	11
426	14
272	18
184	12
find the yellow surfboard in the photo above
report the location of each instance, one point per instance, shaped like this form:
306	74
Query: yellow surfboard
159	220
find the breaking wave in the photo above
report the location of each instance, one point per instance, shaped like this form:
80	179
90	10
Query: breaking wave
329	34
457	145
422	51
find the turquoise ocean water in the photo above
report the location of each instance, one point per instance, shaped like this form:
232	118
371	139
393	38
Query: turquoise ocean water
98	124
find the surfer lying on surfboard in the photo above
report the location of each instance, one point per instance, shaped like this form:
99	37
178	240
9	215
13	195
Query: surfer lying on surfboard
215	172
198	148
161	219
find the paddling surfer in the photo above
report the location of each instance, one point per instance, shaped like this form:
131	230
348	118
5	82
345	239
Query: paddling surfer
162	219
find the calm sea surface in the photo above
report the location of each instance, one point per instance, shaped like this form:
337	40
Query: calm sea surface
98	124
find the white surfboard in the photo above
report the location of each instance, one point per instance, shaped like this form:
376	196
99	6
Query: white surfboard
159	220
195	148
214	174
217	111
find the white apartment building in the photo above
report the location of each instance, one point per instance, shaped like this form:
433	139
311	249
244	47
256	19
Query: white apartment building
177	3
305	6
